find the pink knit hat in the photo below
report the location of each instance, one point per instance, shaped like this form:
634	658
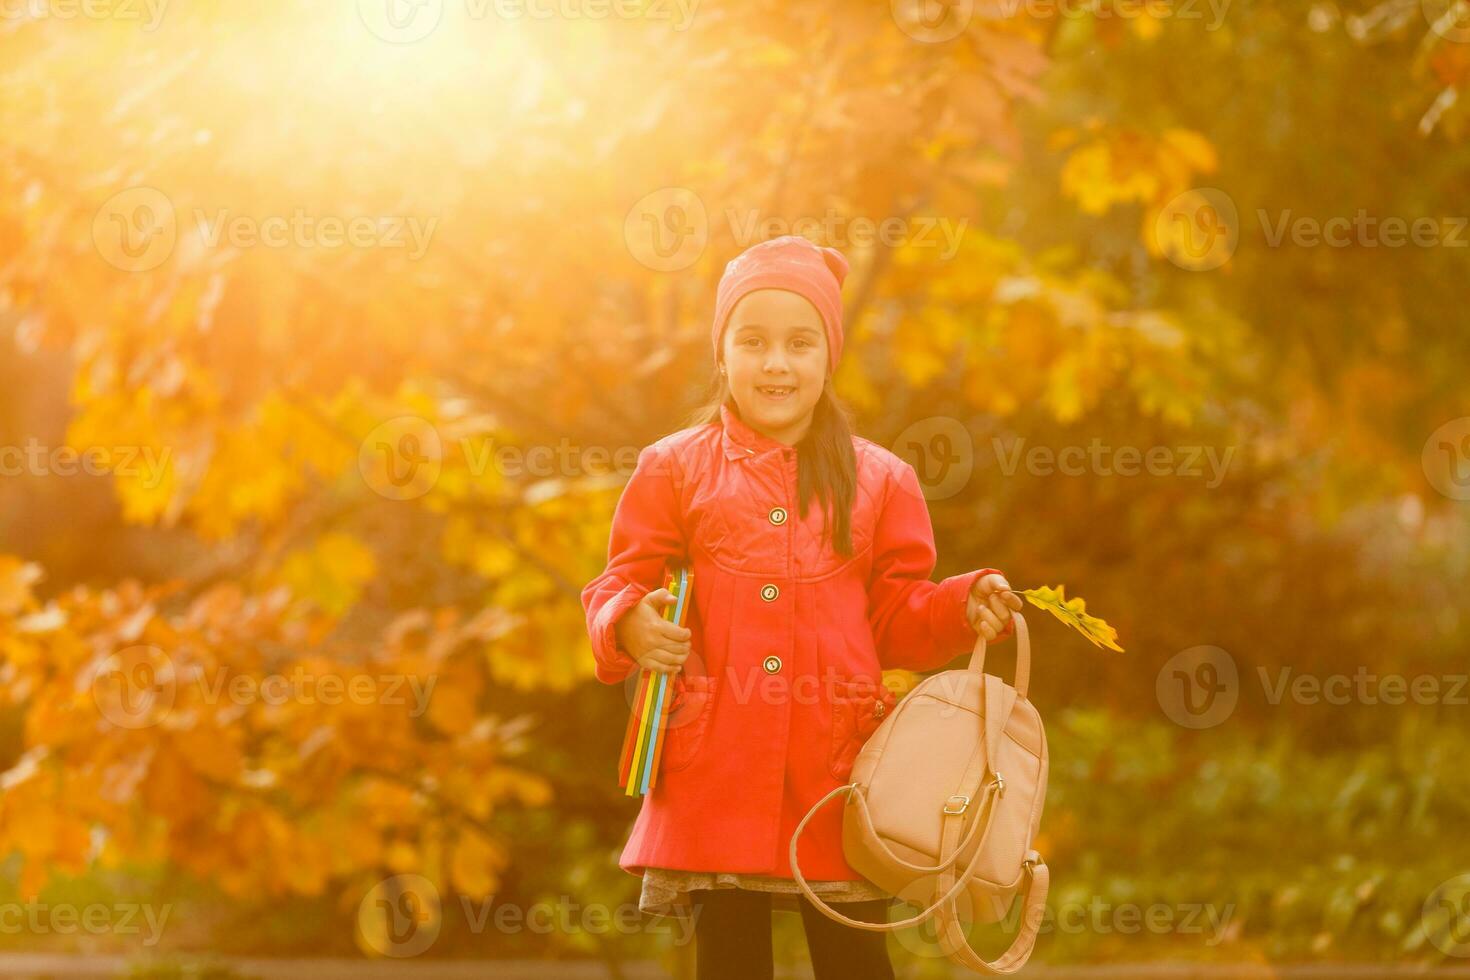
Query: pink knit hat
792	263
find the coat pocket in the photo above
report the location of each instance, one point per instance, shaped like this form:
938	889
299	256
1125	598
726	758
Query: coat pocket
858	708
689	715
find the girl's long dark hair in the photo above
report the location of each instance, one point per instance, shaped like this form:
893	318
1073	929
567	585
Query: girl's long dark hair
825	464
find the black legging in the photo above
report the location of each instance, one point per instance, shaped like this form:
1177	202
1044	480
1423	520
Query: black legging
732	935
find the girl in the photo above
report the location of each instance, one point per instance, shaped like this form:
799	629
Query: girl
778	677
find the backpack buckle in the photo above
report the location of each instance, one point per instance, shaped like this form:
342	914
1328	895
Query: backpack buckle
964	803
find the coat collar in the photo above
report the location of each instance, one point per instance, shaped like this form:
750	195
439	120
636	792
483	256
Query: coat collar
740	440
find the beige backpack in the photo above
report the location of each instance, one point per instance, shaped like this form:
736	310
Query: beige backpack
943	805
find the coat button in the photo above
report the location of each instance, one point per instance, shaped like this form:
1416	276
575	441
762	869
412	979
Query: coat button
773	664
769	592
777	516
878	709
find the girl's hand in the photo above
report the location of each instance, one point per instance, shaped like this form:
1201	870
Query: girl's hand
653	641
989	605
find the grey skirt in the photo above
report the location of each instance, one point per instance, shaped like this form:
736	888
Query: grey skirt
666	891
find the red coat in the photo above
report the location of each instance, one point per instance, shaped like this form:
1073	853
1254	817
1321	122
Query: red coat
784	680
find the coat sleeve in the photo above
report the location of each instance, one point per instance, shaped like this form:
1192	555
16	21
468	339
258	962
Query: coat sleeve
647	539
917	624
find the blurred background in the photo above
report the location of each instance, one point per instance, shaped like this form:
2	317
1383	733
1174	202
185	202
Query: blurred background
331	331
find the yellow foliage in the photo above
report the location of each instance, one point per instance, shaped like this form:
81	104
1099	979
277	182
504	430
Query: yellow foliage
332	572
214	775
474	864
1147	27
401	857
16	579
1073	612
1100	175
1121	165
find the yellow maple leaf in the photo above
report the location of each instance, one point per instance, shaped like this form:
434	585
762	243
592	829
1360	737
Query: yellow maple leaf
1073	612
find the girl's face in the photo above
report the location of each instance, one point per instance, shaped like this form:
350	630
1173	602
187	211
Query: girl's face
775	355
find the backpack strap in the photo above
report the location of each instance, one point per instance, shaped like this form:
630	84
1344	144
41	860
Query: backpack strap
946	857
1023	655
1033	909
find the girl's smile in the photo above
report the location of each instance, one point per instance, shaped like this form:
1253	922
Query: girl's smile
775	359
